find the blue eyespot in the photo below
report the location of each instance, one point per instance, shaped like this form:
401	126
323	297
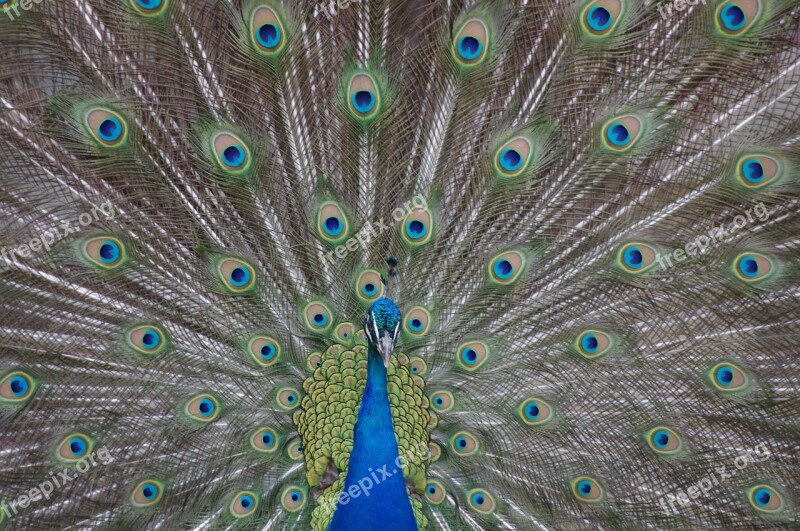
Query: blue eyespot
363	101
748	266
589	343
461	441
369	289
269	36
149	490
478	499
469	356
510	159
333	226
234	156
584	488
416	229
268	352
724	376
110	129
618	134
320	319
599	18
532	410
109	252
150	339
246	501
633	257
19	385
469	48
762	497
77	446
267	439
240	276
206	407
733	17
753	171
431	489
415	325
149	4
295	495
503	269
661	438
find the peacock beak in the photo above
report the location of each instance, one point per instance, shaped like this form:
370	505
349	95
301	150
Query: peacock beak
385	348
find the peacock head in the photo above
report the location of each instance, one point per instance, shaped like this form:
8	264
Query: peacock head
383	326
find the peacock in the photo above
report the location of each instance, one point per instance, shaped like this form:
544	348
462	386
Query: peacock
399	264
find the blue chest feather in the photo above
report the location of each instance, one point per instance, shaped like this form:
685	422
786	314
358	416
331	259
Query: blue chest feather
377	496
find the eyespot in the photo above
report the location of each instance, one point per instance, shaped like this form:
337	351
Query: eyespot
752	267
512	158
481	501
757	171
230	153
264	350
464	443
237	276
593	344
599	18
369	286
418	366
149	7
243	504
332	223
621	134
765	498
505	268
17	387
106	252
417	227
435	492
74	447
664	440
318	316
417	321
293	499
362	336
728	377
587	489
442	401
435	450
344	332
313	361
204	408
364	99
735	18
107	127
267	31
147	339
264	439
295	450
636	257
472	355
288	398
535	411
471	43
147	493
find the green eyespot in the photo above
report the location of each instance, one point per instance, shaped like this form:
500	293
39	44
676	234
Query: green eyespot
344	333
435	492
295	450
237	276
332	224
417	227
506	268
74	447
230	153
149	8
264	439
620	134
471	44
472	355
765	499
313	361
587	489
106	126
535	411
513	158
728	377
756	171
363	97
293	498
288	398
593	344
435	451
734	18
464	443
417	321
752	267
147	493
243	504
481	501
318	317
267	31
600	18
664	441
418	366
637	257
442	401
369	286
16	388
105	252
264	350
204	408
147	339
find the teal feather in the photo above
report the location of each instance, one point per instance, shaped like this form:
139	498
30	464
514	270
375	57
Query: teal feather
586	213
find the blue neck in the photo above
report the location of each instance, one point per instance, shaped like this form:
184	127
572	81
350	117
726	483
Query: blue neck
374	501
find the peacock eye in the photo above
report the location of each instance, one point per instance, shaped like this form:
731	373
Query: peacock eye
587	489
418	366
16	387
600	17
343	332
74	447
416	227
237	276
664	440
332	223
756	171
735	18
295	450
293	499
314	360
267	31
231	153
752	267
147	493
593	344
728	377
435	451
204	408
535	411
765	498
506	267
470	44
147	339
435	492
288	398
621	134
264	350
417	321
481	501
364	97
472	355
512	157
243	504
318	316
369	286
442	401
149	7
637	257
106	252
264	439
106	126
464	443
